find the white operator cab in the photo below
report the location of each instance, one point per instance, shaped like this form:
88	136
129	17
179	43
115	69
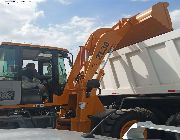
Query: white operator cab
49	61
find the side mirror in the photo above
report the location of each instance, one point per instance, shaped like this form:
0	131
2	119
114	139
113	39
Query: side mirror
94	83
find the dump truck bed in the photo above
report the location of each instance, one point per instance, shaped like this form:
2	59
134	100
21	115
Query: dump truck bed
151	66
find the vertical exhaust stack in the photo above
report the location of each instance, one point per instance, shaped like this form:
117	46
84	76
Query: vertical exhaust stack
150	23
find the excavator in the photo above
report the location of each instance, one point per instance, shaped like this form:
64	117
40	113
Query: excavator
72	103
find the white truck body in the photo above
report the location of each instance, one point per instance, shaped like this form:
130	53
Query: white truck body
148	67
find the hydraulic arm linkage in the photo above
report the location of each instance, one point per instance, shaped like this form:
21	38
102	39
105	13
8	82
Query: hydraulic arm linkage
80	92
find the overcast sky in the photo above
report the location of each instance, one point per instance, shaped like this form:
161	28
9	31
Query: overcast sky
67	23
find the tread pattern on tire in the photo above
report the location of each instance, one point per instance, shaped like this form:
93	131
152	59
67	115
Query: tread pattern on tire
173	120
142	114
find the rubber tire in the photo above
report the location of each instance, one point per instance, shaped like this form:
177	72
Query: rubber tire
173	120
116	121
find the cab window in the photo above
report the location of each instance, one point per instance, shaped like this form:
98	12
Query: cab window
47	69
62	71
8	64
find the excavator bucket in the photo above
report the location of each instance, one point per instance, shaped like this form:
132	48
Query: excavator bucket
150	23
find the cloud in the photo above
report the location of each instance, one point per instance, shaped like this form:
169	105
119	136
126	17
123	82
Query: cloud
175	18
18	25
68	35
64	2
17	15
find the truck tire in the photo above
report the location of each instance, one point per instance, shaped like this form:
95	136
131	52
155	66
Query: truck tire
173	120
118	123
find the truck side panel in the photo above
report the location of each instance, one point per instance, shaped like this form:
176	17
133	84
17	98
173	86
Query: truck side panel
151	66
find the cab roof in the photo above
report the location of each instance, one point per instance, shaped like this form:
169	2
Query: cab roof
33	46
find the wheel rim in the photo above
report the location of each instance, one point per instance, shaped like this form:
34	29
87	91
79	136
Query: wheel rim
126	127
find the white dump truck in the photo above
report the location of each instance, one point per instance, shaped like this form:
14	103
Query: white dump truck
145	76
